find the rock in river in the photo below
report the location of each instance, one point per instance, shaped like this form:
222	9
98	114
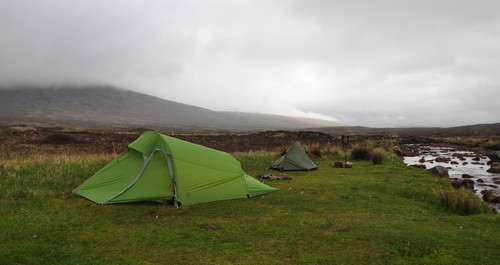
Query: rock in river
440	171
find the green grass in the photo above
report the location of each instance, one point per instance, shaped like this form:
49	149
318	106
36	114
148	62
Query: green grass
461	201
492	142
368	214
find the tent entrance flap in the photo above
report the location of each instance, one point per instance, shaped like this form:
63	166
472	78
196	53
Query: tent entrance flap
155	180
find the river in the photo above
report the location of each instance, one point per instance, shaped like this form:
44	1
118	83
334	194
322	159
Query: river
458	162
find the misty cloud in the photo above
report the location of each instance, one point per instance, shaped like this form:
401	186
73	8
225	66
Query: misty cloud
372	63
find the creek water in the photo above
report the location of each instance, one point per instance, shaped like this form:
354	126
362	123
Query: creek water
458	163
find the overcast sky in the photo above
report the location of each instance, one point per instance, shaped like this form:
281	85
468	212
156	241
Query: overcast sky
371	63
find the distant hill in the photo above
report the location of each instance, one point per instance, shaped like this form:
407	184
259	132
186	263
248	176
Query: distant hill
106	106
467	130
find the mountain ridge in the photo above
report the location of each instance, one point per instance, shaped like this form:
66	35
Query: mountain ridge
106	106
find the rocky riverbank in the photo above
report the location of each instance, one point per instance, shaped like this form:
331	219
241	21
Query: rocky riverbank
469	169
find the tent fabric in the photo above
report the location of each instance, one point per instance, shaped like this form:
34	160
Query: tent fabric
294	158
157	167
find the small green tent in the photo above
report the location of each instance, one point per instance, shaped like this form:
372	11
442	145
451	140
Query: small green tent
294	158
157	167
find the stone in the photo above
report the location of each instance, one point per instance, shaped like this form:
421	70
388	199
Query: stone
467	176
494	156
338	164
459	156
463	183
399	151
442	159
490	196
440	171
419	166
494	168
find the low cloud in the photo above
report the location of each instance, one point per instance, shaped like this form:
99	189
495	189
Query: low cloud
371	63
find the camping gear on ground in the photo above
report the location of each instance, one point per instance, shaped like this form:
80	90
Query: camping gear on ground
294	158
157	167
274	176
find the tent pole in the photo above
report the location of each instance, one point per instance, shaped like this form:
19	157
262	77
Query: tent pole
345	144
171	170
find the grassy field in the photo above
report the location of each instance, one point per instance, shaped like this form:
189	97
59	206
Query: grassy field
368	214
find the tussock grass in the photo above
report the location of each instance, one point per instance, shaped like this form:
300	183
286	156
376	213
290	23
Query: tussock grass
377	152
377	156
319	150
360	152
384	214
490	142
461	201
48	175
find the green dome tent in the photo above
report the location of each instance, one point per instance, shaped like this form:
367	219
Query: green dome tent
294	158
157	167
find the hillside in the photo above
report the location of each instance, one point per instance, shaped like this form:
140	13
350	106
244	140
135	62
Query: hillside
112	107
467	130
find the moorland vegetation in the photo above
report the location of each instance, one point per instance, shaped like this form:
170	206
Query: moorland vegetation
378	212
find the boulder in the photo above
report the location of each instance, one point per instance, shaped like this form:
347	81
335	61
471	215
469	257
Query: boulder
490	196
419	166
494	168
467	176
442	159
463	183
496	180
399	151
440	171
494	156
406	150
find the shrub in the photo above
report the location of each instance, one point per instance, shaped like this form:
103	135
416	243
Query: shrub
377	156
360	153
316	152
461	201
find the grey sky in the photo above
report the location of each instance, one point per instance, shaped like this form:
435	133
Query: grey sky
372	63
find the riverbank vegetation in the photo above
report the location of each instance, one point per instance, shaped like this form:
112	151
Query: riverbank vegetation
384	213
491	143
461	201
